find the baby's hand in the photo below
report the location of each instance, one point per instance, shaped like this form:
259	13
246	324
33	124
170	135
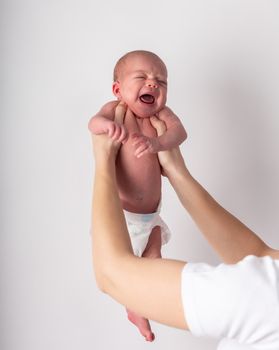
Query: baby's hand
116	131
144	144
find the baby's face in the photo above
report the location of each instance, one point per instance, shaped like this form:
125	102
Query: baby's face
142	85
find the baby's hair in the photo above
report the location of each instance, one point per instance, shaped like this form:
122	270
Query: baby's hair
122	60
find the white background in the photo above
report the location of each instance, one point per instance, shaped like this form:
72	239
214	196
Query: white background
57	58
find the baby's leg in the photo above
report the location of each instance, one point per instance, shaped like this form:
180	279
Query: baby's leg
154	244
153	251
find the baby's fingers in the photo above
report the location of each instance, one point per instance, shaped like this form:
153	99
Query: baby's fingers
137	143
141	153
123	135
138	139
143	148
120	134
111	130
117	132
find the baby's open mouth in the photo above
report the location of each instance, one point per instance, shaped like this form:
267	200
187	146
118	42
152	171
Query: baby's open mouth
146	98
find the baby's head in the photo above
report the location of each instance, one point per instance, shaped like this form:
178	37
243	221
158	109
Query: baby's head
140	80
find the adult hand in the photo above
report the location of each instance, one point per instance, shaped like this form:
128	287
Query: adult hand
171	160
106	147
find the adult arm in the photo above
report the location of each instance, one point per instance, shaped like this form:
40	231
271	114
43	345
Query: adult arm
229	237
150	287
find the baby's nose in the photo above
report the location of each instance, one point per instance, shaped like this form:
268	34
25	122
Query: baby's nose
152	85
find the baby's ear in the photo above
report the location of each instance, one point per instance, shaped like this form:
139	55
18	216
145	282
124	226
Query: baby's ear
116	89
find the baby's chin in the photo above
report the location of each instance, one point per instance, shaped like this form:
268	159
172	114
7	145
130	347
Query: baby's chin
145	111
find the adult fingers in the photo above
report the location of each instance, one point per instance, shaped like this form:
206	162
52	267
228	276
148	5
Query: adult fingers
120	111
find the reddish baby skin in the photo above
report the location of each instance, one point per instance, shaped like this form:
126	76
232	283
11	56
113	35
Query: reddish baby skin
139	179
140	83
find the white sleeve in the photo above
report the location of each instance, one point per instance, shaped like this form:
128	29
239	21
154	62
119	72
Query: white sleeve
239	301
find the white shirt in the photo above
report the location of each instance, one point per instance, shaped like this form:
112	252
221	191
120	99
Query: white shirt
238	303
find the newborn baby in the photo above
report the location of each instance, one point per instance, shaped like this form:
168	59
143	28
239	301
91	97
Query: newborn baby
140	86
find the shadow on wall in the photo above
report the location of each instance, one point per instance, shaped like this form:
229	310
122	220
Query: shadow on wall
244	124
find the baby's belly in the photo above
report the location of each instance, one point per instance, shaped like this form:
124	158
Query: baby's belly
139	180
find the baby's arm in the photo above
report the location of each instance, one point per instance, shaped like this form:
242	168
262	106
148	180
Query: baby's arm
108	121
173	137
175	133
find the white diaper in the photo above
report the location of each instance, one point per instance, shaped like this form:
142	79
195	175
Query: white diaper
140	227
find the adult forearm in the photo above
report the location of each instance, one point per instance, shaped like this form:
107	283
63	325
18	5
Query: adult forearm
229	237
118	272
110	237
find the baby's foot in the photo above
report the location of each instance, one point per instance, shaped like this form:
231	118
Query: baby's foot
142	324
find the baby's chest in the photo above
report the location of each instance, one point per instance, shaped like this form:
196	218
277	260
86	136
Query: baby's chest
139	125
